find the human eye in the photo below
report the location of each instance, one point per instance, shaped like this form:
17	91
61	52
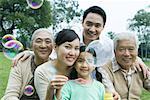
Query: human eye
121	49
80	60
89	23
89	60
67	47
131	49
38	40
98	25
48	41
77	48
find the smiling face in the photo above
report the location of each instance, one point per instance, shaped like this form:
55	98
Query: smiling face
126	53
82	66
42	45
92	27
68	52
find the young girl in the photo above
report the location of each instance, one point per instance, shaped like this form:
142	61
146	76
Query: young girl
84	87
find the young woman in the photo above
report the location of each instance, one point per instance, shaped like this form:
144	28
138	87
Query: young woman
84	87
67	44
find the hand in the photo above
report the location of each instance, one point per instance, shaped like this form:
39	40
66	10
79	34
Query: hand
57	84
140	65
116	96
21	57
59	81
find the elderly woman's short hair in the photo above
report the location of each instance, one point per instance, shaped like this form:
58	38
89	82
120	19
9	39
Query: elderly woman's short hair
125	36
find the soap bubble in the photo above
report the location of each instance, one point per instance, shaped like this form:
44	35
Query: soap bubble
7	38
12	48
102	56
35	4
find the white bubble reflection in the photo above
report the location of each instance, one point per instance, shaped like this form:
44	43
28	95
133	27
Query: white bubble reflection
101	55
35	4
53	72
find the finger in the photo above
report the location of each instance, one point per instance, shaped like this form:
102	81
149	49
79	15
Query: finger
60	77
25	57
144	69
58	80
148	72
57	85
137	65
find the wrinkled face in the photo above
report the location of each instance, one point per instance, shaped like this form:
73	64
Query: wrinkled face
42	45
126	53
92	26
68	52
83	67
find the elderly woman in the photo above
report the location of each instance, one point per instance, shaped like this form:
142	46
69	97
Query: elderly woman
21	80
127	81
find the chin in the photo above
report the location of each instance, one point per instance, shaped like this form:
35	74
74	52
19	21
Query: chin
44	57
69	63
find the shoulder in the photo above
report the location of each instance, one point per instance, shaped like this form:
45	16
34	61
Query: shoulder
45	70
23	65
44	67
97	83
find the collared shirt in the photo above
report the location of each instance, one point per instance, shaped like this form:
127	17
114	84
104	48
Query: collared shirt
127	74
126	82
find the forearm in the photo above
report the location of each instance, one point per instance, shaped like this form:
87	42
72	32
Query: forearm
10	98
58	94
106	80
13	90
147	82
41	84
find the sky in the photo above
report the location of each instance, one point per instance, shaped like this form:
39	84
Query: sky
117	11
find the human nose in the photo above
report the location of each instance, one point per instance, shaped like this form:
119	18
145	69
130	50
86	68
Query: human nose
43	44
92	29
127	52
85	64
72	52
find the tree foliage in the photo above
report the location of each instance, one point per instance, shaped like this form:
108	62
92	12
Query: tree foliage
16	15
140	23
111	34
64	11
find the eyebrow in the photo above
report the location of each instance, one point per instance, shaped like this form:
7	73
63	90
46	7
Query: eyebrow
43	38
92	22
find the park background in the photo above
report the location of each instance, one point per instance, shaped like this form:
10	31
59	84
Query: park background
20	20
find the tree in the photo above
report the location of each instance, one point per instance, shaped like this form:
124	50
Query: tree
111	34
16	15
140	23
64	11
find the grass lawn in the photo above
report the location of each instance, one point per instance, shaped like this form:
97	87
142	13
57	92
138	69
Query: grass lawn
5	66
4	73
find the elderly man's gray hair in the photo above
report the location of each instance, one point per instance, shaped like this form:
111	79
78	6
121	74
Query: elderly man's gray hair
41	30
125	36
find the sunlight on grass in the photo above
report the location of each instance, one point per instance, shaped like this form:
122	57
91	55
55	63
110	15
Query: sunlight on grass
4	73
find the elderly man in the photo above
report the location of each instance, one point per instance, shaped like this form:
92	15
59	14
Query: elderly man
21	80
127	81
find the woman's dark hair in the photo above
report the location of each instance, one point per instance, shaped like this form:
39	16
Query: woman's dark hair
74	74
65	35
91	50
95	9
